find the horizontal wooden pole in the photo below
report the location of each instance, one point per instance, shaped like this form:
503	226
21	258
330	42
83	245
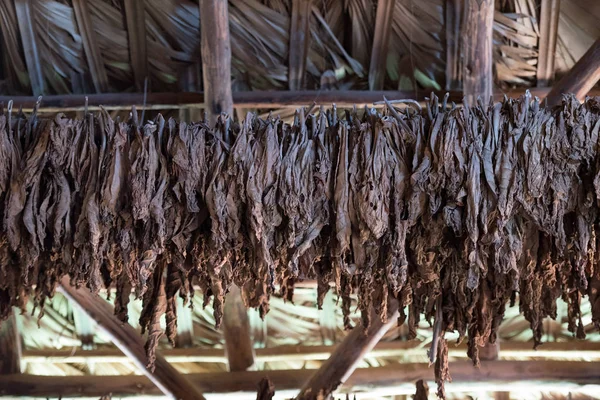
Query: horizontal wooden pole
254	99
551	350
246	381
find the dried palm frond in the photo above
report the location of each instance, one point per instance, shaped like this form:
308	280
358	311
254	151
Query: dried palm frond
12	49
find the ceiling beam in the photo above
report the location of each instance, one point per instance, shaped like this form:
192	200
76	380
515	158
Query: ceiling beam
345	358
299	43
476	40
170	382
10	346
90	46
26	22
529	373
381	37
236	330
135	20
216	57
549	12
580	79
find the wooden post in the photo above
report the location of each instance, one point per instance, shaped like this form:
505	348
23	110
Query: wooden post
236	329
299	41
548	38
383	29
477	50
344	360
580	79
216	58
165	377
136	33
10	347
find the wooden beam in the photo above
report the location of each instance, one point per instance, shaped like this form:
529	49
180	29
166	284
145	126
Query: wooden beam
128	340
10	347
549	12
135	20
477	50
344	360
26	21
216	57
368	379
299	43
395	349
236	330
90	46
379	52
580	79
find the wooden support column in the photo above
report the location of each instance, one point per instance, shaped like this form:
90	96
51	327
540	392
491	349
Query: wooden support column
344	360
580	79
547	43
216	58
383	28
26	21
135	20
299	41
10	347
90	46
477	50
170	382
236	329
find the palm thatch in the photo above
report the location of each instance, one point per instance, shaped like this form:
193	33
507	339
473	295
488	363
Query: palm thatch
341	42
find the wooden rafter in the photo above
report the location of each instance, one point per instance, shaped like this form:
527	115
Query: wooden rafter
236	330
129	341
391	375
136	33
90	46
549	12
26	21
344	360
476	42
379	52
10	346
580	79
216	57
299	43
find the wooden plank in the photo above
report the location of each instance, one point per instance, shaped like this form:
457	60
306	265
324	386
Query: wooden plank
26	21
128	340
477	50
90	46
216	58
236	331
530	373
10	346
299	43
580	79
395	349
344	360
135	21
549	12
379	52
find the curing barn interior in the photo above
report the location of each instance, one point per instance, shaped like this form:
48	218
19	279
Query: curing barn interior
299	199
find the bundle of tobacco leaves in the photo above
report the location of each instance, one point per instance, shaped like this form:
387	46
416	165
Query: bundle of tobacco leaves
450	212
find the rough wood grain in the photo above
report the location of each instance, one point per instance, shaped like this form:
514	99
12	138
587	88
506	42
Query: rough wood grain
383	28
392	375
216	57
136	33
299	42
549	12
10	346
580	79
128	340
90	46
26	20
344	360
477	50
236	330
